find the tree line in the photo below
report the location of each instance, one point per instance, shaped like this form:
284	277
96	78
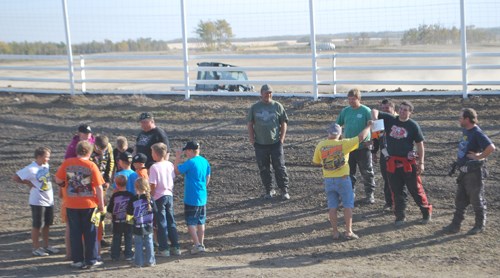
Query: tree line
437	34
51	48
218	35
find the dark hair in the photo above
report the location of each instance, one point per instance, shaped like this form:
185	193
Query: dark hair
40	151
387	101
407	103
101	141
471	114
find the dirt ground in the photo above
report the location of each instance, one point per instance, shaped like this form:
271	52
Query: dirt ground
248	236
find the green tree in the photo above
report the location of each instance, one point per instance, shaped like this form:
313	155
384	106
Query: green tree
215	34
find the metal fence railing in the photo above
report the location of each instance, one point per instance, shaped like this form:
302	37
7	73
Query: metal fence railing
314	75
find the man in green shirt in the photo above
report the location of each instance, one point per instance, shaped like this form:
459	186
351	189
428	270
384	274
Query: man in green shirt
354	118
267	124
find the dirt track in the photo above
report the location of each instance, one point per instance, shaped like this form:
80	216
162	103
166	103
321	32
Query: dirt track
246	235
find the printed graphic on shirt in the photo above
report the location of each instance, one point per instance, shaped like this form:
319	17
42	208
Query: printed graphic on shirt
79	182
100	160
462	147
143	140
264	115
141	214
332	157
398	132
120	207
43	176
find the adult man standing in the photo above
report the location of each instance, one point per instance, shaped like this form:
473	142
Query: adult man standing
404	167
354	118
150	135
473	148
267	125
380	143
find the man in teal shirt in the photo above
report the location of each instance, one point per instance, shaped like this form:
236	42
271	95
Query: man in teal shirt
354	118
267	124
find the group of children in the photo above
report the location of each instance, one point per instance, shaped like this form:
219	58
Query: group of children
142	201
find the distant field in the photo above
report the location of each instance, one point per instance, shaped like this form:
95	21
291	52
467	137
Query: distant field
269	48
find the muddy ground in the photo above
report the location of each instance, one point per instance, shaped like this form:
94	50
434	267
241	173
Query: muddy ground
248	236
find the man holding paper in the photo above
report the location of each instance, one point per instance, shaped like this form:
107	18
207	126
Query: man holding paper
404	165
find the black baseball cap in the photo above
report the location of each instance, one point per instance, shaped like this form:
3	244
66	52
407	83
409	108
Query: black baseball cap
191	145
125	156
84	129
145	116
140	157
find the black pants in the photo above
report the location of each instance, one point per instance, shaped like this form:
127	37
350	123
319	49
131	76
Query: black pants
470	190
268	155
387	187
362	158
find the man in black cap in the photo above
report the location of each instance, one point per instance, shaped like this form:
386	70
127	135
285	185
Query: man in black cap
150	135
267	124
84	133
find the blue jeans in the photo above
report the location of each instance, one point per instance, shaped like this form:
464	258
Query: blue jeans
124	230
80	225
165	222
336	188
362	158
146	242
274	155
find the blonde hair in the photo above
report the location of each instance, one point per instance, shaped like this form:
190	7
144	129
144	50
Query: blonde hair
354	93
121	141
160	149
121	181
142	185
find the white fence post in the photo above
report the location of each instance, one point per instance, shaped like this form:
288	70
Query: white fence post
334	73
69	50
185	51
82	74
313	50
463	38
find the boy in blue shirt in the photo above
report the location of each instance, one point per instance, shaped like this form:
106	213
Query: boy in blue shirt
197	175
125	162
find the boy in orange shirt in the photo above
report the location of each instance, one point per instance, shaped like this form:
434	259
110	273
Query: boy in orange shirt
82	181
139	163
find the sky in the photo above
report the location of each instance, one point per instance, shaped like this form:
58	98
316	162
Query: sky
116	20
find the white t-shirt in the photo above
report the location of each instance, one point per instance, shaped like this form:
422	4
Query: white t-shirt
41	194
162	175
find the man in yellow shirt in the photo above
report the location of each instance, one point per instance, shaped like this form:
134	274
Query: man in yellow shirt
333	155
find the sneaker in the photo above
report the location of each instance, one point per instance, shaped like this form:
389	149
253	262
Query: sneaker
370	199
475	230
197	249
400	222
40	252
51	250
129	258
89	266
387	208
451	229
176	251
270	194
164	253
285	197
77	264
